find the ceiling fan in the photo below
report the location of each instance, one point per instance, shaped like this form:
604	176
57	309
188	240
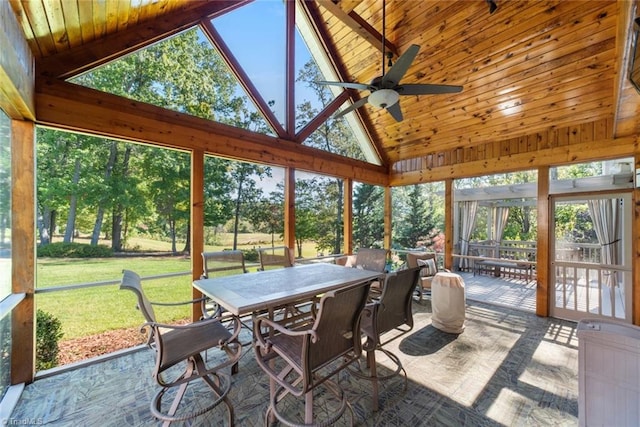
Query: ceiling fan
385	90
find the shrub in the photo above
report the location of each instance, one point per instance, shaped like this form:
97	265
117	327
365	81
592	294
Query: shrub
74	250
250	255
48	333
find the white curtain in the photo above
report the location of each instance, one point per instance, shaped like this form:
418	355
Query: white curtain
606	215
468	211
500	216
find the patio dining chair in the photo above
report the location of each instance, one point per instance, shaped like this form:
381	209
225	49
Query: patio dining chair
275	257
179	346
392	317
299	360
428	265
217	264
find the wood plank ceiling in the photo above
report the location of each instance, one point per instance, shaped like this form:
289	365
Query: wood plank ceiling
528	68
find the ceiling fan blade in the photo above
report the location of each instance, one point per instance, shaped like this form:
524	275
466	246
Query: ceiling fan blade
426	89
359	86
395	111
397	71
359	103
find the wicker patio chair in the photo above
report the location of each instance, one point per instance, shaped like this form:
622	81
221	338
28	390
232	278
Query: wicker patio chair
276	257
392	312
299	360
183	344
428	265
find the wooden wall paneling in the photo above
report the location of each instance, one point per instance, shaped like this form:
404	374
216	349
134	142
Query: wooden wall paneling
578	153
586	132
574	135
600	130
23	250
71	19
85	17
17	69
112	16
37	21
56	24
197	225
563	137
97	51
543	251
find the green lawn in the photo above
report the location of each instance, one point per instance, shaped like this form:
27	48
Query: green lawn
89	311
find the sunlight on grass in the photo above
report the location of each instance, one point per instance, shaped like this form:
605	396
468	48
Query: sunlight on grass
89	311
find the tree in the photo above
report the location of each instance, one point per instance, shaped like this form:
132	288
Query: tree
247	194
334	136
418	226
368	215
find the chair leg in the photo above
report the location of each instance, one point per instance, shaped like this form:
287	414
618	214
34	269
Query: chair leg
371	361
195	365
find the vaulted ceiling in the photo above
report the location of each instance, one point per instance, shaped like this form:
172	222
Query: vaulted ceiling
527	68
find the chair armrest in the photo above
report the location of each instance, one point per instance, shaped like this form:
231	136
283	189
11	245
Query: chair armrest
194	301
268	323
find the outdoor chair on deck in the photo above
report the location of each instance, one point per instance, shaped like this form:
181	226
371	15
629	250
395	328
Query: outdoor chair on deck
428	265
392	312
279	256
218	264
178	345
301	359
372	259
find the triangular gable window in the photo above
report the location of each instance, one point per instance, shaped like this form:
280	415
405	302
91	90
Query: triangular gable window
232	69
182	73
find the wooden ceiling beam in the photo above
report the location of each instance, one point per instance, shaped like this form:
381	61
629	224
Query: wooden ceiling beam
315	18
243	78
358	25
102	50
80	109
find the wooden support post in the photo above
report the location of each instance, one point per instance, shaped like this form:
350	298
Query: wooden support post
449	206
635	246
290	207
197	223
388	214
542	257
23	251
348	216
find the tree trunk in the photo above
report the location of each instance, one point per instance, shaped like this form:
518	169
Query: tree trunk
172	230
53	217
73	203
187	245
97	226
118	210
236	220
43	227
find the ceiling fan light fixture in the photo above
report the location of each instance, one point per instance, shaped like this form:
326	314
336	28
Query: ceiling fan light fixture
383	98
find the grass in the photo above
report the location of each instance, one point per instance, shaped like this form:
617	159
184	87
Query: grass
89	311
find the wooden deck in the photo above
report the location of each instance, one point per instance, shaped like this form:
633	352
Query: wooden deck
506	292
